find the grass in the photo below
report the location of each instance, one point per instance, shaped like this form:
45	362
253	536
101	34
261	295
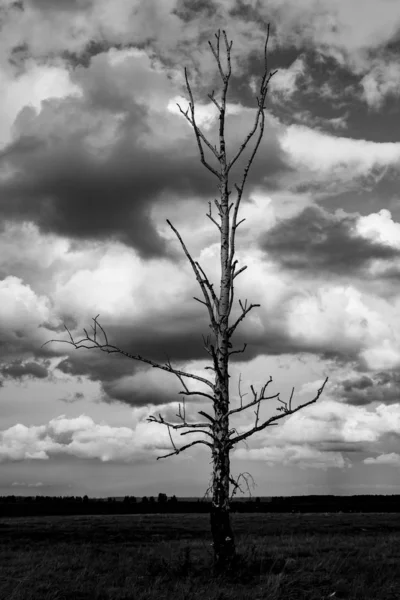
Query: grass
157	557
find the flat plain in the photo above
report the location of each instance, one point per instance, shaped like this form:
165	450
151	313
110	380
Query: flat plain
156	557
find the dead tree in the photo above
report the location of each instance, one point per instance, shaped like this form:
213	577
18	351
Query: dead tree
220	438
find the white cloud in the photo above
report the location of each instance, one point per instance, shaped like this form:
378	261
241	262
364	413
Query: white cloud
30	255
338	316
381	81
36	84
384	459
83	438
386	355
285	82
22	312
337	157
379	227
300	438
120	283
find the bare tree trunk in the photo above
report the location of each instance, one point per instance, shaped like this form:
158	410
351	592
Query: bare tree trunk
224	544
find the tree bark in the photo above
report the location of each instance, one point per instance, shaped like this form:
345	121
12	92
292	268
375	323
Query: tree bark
223	540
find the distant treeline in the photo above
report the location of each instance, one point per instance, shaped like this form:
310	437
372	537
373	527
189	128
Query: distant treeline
77	505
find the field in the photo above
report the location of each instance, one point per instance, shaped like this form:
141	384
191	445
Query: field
157	557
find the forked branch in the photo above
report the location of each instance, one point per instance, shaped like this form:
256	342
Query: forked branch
91	341
200	137
245	311
287	410
202	280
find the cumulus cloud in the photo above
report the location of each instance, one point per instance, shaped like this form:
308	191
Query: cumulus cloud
284	83
318	241
320	434
355	324
23	316
332	164
94	165
83	438
381	81
360	390
34	85
380	228
392	459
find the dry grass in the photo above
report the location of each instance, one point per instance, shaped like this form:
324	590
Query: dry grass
155	557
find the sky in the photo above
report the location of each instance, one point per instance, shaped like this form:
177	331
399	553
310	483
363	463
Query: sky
95	156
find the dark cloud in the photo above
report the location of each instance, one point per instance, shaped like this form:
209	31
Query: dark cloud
71	185
122	391
378	387
73	398
17	370
317	241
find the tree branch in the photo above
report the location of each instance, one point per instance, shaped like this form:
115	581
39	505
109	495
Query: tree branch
111	349
209	215
246	476
161	421
238	351
207	416
179	450
271	420
198	394
259	123
256	397
242	316
198	133
198	271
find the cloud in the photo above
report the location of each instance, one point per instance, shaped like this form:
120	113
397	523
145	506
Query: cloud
381	81
306	117
29	485
96	165
293	456
34	85
73	398
83	438
361	390
330	164
147	386
23	316
284	83
334	27
340	319
174	30
34	258
17	370
300	311
317	241
318	435
380	228
384	459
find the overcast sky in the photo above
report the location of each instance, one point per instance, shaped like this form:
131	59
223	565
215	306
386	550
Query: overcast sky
94	157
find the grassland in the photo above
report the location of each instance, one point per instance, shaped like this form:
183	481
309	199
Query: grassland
157	557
